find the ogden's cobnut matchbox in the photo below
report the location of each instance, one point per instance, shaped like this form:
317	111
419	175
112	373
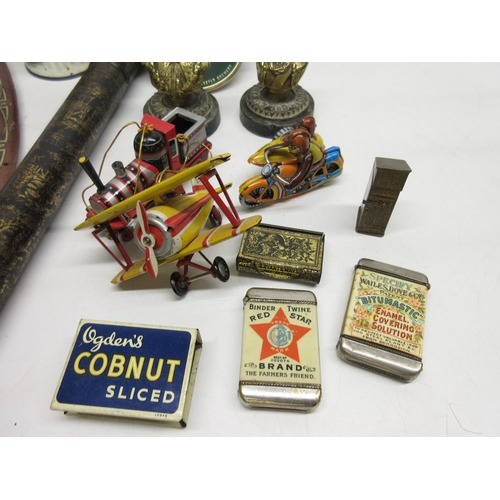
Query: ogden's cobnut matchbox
128	370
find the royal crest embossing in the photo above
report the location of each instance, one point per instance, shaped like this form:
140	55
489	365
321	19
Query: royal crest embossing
282	253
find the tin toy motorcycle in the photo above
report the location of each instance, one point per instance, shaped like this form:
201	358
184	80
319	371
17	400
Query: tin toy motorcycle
279	166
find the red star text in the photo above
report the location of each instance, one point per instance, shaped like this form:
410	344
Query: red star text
280	336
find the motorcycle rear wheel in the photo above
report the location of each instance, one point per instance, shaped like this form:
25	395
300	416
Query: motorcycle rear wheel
332	167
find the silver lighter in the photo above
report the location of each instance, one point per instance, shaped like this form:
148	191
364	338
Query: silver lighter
280	362
383	327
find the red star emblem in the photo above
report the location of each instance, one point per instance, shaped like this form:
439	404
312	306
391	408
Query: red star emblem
280	336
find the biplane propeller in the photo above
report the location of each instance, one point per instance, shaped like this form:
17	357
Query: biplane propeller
148	240
169	229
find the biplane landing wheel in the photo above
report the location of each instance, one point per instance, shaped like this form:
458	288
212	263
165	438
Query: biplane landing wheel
127	235
178	286
215	217
221	269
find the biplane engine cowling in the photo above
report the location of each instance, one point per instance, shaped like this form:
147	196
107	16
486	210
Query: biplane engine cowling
165	243
123	185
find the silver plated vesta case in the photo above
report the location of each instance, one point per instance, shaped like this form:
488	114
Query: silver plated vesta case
383	328
280	361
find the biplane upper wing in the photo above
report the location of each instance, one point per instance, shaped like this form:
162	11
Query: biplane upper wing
154	191
206	239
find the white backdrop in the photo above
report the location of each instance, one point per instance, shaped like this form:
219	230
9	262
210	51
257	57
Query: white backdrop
441	118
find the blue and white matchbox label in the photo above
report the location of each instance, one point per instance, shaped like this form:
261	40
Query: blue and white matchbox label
129	370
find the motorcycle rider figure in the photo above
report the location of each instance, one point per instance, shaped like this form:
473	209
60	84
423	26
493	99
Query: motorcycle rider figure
301	142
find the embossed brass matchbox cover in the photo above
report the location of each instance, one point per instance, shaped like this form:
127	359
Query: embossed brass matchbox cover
132	371
282	253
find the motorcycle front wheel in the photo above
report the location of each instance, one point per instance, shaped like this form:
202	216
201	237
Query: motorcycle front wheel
256	195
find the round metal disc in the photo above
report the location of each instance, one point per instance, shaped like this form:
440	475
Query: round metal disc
56	69
219	74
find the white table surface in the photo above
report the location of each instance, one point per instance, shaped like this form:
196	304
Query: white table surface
441	118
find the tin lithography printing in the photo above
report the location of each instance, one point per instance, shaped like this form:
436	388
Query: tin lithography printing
282	253
132	371
280	362
383	327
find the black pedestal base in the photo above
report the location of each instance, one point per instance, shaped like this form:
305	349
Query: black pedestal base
262	115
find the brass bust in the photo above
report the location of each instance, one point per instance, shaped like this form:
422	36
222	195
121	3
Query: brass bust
280	77
277	101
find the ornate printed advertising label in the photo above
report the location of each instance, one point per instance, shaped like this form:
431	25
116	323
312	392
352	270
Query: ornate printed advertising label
280	339
387	311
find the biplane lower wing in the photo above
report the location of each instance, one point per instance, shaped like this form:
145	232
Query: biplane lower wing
204	240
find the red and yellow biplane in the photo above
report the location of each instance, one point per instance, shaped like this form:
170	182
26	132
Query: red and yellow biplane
169	229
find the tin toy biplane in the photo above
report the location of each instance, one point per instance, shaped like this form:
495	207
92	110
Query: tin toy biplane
171	229
166	222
